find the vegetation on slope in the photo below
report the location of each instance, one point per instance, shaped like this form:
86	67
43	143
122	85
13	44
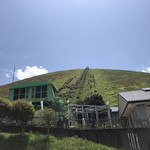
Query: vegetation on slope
108	83
42	142
77	85
58	79
70	91
111	82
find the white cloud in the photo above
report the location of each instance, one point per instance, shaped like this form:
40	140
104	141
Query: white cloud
146	69
143	70
7	72
30	72
7	75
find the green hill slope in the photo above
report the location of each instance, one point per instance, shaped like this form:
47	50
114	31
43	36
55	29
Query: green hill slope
75	85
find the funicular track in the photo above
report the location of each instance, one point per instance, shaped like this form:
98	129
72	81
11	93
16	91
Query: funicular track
80	83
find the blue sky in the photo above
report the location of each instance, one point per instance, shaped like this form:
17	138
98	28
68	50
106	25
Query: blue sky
40	36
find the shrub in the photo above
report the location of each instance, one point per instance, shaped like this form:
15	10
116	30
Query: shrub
48	115
5	107
22	111
80	102
94	100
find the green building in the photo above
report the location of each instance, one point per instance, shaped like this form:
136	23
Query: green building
40	94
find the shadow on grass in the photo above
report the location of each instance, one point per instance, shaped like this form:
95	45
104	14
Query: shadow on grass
26	142
14	142
40	143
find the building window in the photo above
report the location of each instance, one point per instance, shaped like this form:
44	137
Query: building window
15	97
41	91
37	105
38	92
33	92
44	91
19	94
44	94
16	94
27	92
22	93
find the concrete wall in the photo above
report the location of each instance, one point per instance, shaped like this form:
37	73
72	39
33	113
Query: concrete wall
142	113
127	138
121	104
139	116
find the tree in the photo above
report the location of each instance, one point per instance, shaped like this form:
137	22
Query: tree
80	102
5	107
22	111
47	115
94	100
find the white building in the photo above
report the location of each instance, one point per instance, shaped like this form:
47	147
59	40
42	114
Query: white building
135	107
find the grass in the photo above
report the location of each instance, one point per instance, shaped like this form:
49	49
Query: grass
41	142
106	82
111	82
58	78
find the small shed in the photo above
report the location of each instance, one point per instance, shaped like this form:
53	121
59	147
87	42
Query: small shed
114	114
37	93
135	106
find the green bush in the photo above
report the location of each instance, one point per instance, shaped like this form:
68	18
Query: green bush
22	111
48	115
5	107
94	100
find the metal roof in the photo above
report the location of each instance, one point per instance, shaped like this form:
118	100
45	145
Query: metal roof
131	96
146	89
31	84
114	109
88	108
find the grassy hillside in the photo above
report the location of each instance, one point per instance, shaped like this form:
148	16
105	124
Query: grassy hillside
111	82
58	79
75	85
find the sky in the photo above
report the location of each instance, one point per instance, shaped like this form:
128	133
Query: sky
43	36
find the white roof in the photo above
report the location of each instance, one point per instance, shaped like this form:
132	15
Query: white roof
131	96
114	109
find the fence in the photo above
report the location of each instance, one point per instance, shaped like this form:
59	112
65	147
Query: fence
100	123
62	122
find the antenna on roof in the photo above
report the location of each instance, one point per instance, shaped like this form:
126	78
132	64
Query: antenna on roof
13	75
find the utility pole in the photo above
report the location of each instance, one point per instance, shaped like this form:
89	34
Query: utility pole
13	75
108	113
68	114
